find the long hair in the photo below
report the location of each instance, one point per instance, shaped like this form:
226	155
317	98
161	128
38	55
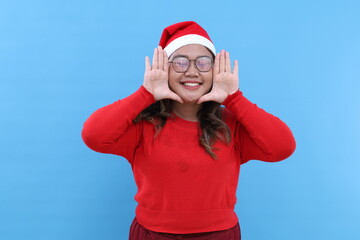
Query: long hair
209	116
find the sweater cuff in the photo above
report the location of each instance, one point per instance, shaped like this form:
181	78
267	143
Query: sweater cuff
236	95
237	103
136	102
146	94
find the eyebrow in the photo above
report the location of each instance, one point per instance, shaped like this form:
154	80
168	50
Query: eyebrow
181	55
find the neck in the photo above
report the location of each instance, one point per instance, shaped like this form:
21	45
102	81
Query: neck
186	111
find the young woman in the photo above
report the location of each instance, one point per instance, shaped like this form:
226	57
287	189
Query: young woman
185	150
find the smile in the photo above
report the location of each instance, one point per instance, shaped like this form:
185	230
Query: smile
191	84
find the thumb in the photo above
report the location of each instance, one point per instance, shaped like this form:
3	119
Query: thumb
175	97
207	97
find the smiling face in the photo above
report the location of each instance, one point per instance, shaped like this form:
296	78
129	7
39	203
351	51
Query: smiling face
192	84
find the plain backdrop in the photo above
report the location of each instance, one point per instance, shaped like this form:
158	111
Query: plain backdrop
62	60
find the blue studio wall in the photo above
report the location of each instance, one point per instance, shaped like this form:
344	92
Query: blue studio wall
62	60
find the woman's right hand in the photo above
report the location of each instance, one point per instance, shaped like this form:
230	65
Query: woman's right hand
156	76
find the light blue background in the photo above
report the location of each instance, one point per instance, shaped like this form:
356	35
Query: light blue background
61	60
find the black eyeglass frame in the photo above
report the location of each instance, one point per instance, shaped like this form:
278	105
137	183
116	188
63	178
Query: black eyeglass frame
193	60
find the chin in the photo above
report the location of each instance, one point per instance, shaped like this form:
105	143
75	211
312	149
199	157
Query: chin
190	99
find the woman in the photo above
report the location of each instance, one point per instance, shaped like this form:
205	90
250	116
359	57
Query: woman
185	150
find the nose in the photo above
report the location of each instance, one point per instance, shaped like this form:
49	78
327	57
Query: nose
192	71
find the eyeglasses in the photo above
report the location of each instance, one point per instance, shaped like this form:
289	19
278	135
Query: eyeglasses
181	64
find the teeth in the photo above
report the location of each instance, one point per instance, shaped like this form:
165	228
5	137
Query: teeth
191	84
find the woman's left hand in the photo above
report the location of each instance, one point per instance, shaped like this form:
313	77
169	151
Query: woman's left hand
225	80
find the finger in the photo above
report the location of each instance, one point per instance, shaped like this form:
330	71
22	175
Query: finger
216	64
161	58
166	61
236	68
155	59
147	64
227	62
222	61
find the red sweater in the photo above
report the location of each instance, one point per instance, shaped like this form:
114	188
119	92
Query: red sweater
181	189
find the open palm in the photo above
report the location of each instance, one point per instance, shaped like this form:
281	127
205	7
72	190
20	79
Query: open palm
156	76
225	81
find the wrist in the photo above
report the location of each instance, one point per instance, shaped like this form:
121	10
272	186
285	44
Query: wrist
231	96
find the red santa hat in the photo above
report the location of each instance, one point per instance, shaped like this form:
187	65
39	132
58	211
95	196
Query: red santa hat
184	33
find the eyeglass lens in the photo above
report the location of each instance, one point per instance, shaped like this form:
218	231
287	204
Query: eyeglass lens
202	64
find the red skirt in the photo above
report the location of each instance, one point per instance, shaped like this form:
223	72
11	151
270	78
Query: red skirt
138	232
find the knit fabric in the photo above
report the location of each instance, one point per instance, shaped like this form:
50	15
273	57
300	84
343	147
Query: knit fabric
138	232
181	189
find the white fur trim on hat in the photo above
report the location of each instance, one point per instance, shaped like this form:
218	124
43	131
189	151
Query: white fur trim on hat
189	39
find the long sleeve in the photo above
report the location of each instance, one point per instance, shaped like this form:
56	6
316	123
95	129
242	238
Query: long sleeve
259	135
110	129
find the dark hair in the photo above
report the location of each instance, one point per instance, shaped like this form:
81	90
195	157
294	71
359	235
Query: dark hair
210	122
